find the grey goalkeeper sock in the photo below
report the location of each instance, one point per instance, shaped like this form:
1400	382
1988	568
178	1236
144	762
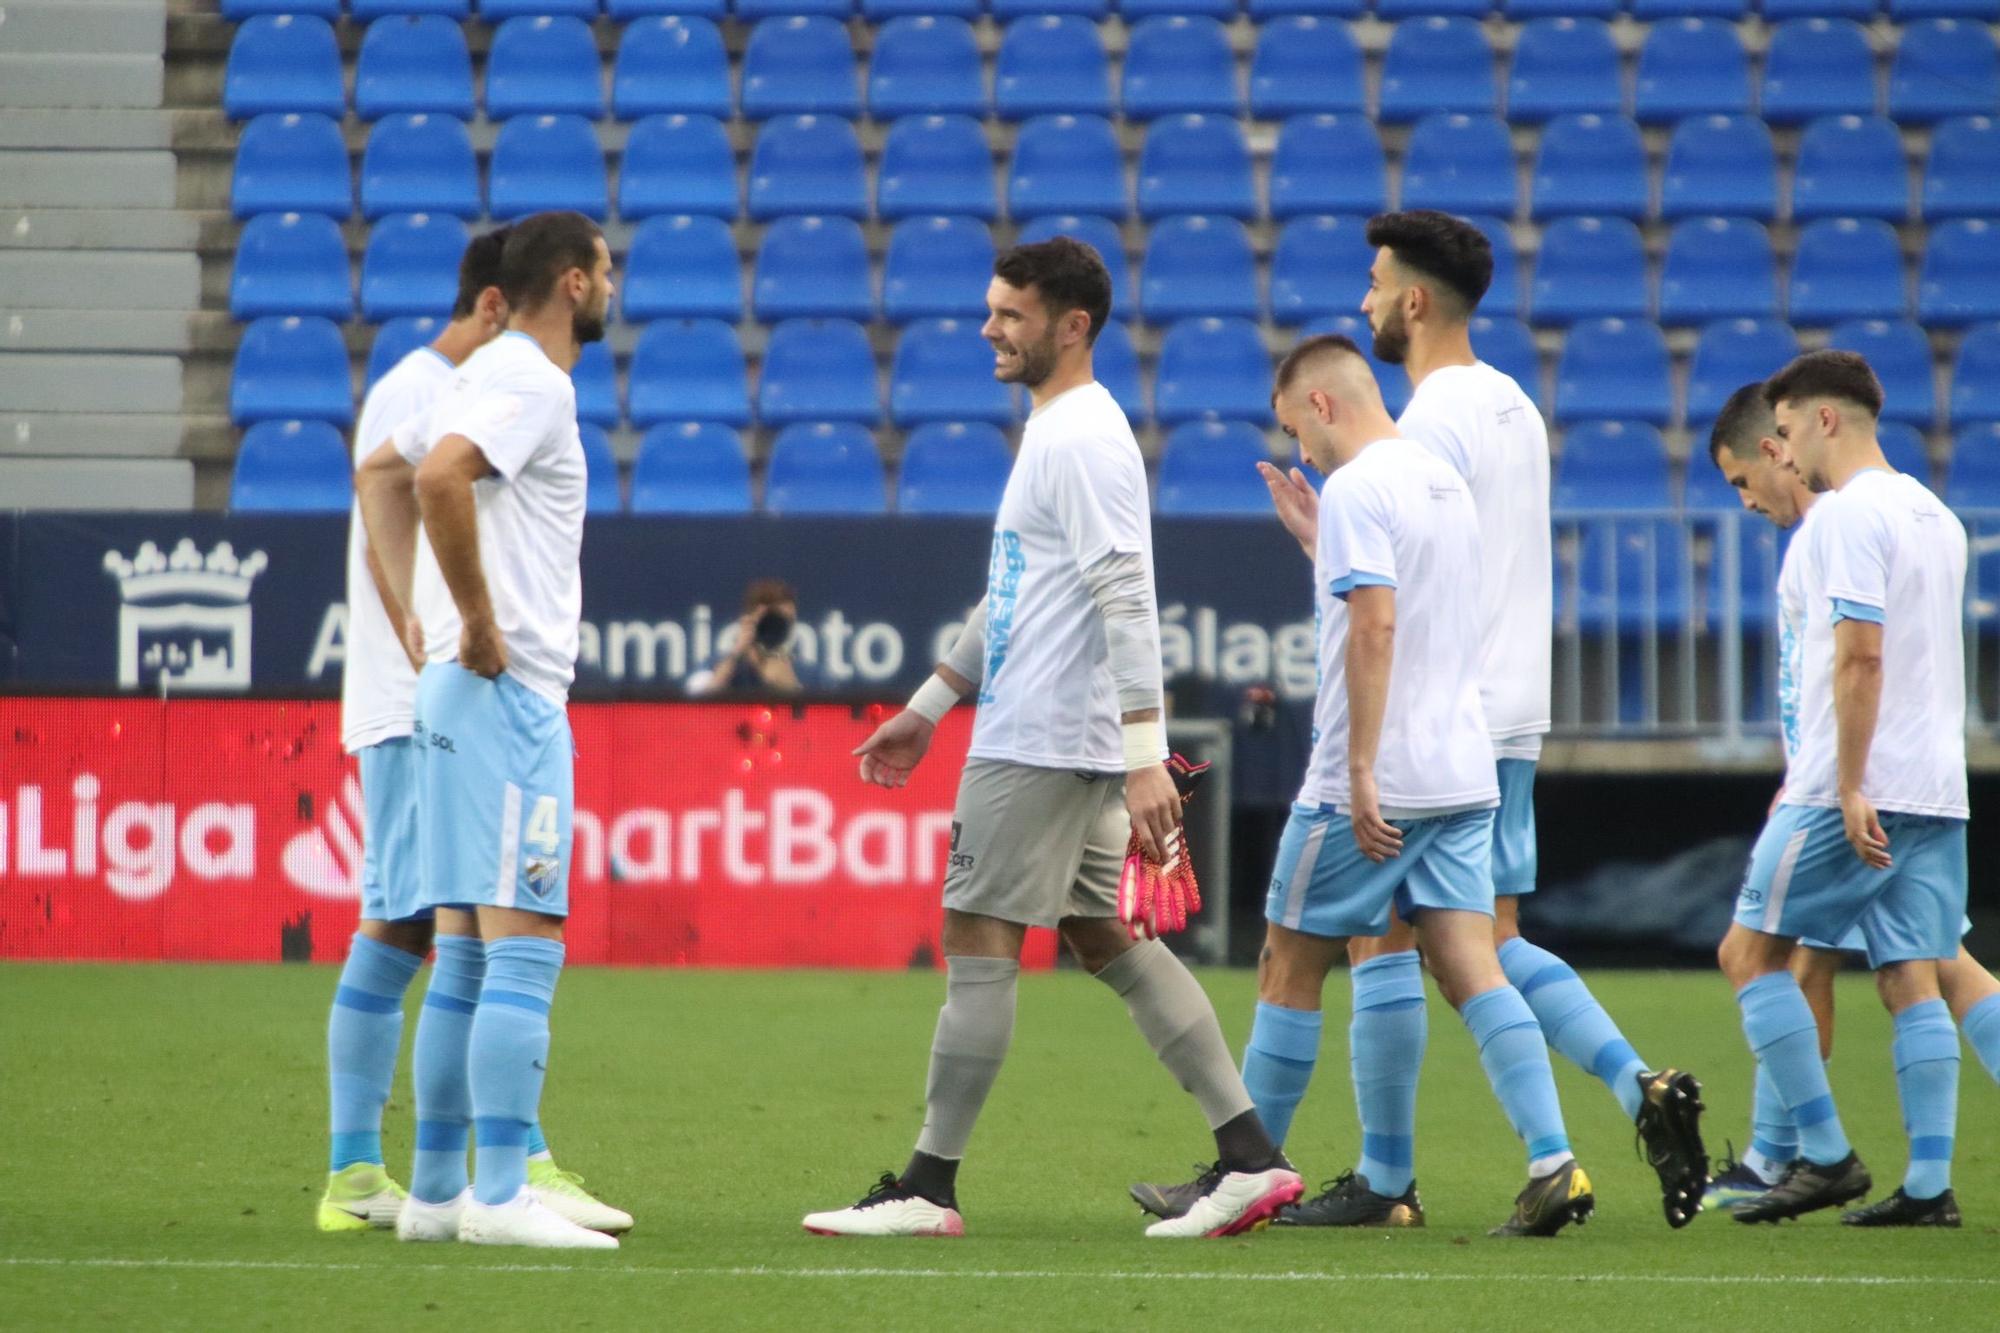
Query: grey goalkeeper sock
1173	1012
973	1031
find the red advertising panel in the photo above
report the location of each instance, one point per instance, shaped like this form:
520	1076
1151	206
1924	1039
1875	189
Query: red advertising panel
718	835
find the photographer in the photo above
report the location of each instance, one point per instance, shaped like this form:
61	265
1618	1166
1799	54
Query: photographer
761	660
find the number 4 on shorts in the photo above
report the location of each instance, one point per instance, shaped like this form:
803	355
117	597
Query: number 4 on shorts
542	831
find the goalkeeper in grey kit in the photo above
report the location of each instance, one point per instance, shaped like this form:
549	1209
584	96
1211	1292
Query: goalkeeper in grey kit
1067	815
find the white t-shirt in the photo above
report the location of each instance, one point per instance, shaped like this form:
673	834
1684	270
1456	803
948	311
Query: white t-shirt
1398	516
1479	421
519	407
1885	549
1794	577
1076	495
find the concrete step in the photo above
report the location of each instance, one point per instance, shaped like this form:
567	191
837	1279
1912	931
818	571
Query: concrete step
84	27
51	128
86	180
97	483
96	331
109	229
81	81
74	382
128	435
99	280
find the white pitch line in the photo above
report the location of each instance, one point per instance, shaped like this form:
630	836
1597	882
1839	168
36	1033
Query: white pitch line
1004	1274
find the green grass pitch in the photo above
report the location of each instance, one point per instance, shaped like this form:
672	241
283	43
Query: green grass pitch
168	1147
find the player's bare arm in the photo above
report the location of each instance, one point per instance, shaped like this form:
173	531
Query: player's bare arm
890	755
1296	502
1857	700
385	487
451	521
1371	648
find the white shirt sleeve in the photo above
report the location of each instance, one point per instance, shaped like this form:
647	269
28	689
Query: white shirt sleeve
512	421
412	439
1099	501
1853	548
1356	544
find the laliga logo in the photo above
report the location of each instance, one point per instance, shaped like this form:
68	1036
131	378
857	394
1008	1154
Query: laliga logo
185	621
326	861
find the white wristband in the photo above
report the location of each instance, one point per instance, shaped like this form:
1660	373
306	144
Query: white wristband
1145	742
933	699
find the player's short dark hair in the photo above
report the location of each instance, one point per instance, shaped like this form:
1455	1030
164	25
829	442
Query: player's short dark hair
1312	349
1069	275
478	269
539	250
767	592
1827	374
1744	420
1439	246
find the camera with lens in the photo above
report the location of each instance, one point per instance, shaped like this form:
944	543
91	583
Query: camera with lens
773	629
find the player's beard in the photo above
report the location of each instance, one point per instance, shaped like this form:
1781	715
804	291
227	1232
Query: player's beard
587	325
1034	364
1392	340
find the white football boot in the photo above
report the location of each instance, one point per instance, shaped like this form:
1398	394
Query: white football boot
431	1221
888	1210
563	1192
1241	1201
526	1220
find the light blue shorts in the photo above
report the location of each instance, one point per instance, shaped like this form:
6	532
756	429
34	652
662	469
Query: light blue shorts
391	871
497	792
1324	886
1514	854
1805	882
1856	941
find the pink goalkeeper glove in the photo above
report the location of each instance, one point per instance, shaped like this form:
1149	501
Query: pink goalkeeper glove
1157	898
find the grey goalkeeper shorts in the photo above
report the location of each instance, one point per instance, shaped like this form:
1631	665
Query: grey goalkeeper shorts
1035	845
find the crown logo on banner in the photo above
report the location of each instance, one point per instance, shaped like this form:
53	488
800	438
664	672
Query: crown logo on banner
151	575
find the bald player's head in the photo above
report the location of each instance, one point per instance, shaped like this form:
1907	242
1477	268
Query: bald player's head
1327	399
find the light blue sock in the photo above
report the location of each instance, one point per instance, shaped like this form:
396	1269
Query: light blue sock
1278	1063
1774	1139
1574	1022
538	1145
1982	1029
1385	1043
1779	1026
508	1059
362	1034
438	1069
1516	1060
1926	1050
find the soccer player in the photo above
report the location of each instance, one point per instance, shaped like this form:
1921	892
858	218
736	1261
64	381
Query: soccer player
1065	765
1870	829
499	486
1745	448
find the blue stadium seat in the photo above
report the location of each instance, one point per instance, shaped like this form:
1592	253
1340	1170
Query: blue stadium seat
364	10
291	366
1648	10
238	10
1562	67
1944	67
1006	11
1904	446
688	370
952	467
396	339
1506	345
1960	280
601	494
1718	268
496	11
596	379
1847	268
1730	354
1611	465
882	11
410	266
751	11
1901	357
1318	268
291	264
1208	469
1720	166
1102	235
545	162
1434	64
1777	11
1533	9
807	164
818	370
413	63
1213	370
943	371
1905	11
291	163
936	164
292	467
1973	482
677	164
1328	164
1198	266
815	268
1051	64
1631	573
544	66
1390	11
1704	490
690	467
1132	11
1975	377
937	268
1305	65
1590	268
419	164
1395	381
1817	67
825	468
682	267
799	66
1851	167
1260	10
1115	362
672	64
1614	368
1503	293
1179	64
925	65
1691	67
1591	165
1962	178
1460	164
1196	164
283	62
1067	164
